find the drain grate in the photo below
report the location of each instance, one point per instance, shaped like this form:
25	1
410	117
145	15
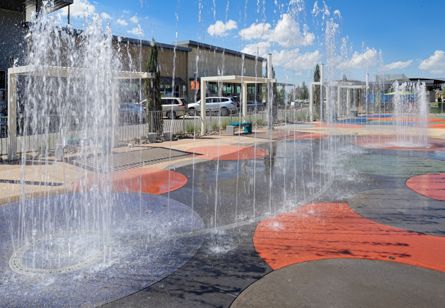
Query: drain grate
136	157
35	183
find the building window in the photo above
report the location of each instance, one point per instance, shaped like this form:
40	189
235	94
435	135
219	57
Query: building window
2	80
2	90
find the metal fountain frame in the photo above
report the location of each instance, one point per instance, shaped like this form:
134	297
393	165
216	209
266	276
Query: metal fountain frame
340	85
49	71
243	80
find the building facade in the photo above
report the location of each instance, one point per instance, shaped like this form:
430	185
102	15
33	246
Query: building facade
180	66
207	60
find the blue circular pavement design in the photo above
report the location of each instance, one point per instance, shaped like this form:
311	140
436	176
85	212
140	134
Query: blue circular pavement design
150	238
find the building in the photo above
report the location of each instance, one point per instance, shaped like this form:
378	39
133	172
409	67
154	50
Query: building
14	15
207	60
181	65
172	64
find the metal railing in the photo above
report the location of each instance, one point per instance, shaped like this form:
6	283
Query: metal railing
136	127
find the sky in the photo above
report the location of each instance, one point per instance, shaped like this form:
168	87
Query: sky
353	37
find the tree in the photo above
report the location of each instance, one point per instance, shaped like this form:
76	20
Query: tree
316	96
275	96
153	93
304	91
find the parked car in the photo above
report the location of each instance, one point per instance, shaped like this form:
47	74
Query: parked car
174	107
255	106
236	100
131	113
219	105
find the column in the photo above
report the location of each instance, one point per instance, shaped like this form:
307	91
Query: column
12	116
244	101
203	107
311	103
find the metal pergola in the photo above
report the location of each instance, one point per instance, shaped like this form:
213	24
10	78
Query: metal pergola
243	80
340	85
49	71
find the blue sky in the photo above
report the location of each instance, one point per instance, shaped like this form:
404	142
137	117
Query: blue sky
378	36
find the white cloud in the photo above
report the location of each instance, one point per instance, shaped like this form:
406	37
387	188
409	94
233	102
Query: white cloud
398	65
362	60
134	19
137	31
296	61
435	63
80	8
122	22
105	16
257	49
220	28
287	33
255	31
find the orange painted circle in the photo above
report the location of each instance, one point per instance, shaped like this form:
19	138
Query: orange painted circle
305	136
389	143
428	185
334	230
338	125
150	181
230	152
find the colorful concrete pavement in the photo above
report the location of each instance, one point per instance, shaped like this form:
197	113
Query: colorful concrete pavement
382	245
376	238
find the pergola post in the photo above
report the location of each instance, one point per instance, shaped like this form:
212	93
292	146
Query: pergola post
270	98
12	116
114	114
244	101
311	102
321	93
348	102
203	107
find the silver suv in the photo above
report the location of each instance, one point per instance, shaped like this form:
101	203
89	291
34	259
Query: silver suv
220	105
172	107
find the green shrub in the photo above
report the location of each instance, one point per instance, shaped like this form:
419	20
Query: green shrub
190	128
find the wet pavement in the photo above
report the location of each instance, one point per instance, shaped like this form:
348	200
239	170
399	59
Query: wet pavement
395	259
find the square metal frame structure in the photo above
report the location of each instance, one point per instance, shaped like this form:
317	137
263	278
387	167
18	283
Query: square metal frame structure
48	71
243	80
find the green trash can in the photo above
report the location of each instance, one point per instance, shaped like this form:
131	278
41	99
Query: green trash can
247	127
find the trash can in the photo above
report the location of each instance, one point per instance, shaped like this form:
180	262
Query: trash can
247	127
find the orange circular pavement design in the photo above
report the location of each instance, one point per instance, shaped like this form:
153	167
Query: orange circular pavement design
230	152
304	136
150	181
390	143
339	125
437	125
429	185
334	230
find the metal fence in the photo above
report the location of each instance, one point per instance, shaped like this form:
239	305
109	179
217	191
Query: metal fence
131	130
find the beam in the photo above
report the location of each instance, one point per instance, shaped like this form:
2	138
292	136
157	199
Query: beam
65	72
203	106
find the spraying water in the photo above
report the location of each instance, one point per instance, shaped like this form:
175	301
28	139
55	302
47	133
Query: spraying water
77	105
411	114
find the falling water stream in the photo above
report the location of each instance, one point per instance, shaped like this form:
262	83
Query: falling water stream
79	246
